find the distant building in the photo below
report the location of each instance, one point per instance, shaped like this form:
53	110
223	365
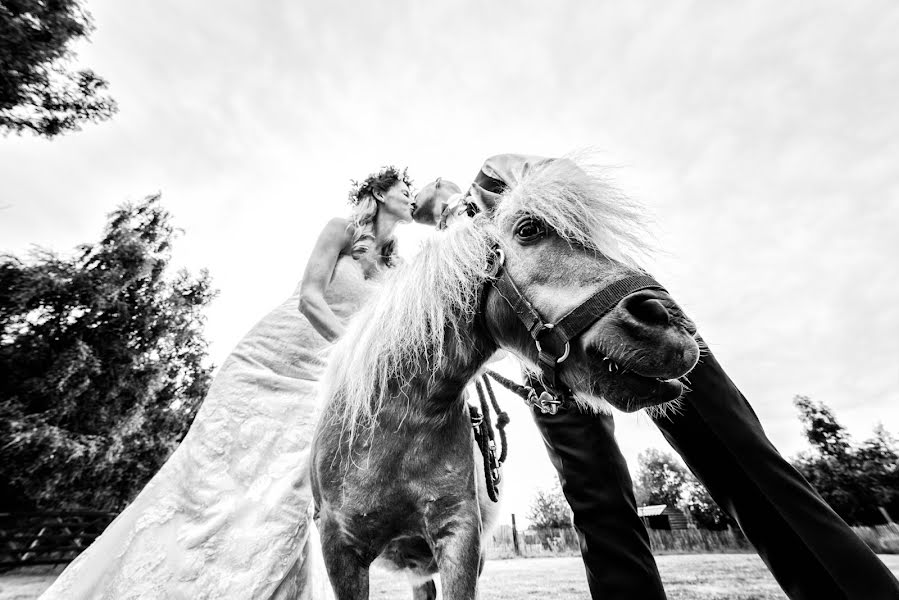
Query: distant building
662	516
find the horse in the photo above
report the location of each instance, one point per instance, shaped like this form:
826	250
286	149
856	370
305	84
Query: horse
550	275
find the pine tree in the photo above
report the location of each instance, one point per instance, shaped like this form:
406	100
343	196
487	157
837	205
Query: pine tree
103	362
39	92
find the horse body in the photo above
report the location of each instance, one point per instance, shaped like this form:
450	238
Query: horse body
389	494
393	467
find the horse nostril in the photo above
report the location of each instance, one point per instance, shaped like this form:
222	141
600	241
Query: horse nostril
647	310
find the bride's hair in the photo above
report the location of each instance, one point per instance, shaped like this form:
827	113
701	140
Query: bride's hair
365	209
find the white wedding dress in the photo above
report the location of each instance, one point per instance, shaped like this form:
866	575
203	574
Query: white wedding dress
228	516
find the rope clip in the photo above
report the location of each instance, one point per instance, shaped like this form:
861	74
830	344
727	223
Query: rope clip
545	403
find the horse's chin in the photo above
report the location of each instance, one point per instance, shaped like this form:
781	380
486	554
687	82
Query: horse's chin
648	393
629	392
609	403
636	387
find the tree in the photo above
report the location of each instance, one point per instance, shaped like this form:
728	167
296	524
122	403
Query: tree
854	480
821	427
702	508
549	508
660	478
38	90
878	459
103	361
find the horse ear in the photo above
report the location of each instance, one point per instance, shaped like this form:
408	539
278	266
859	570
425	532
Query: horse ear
486	200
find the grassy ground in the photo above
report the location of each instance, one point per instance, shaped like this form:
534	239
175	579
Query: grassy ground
686	577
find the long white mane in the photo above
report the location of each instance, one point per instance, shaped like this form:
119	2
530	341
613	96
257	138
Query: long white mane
403	331
573	196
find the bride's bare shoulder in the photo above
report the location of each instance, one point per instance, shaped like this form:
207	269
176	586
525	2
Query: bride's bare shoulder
338	224
338	230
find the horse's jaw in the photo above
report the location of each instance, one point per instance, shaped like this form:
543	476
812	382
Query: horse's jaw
599	405
587	390
593	404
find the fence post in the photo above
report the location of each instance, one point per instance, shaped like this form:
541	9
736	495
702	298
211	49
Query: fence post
515	537
890	523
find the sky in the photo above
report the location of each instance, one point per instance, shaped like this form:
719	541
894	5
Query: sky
763	138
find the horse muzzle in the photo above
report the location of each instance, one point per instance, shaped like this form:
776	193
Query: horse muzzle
640	350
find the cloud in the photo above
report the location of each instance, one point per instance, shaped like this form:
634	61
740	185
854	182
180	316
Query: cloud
764	135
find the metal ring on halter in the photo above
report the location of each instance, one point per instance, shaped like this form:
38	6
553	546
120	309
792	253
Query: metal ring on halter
540	349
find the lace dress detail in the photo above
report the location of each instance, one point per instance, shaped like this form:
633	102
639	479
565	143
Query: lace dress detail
229	514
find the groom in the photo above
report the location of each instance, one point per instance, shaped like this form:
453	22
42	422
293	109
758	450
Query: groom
808	548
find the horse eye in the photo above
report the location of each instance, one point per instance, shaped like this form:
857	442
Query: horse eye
529	229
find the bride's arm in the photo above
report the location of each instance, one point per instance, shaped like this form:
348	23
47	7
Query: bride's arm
333	239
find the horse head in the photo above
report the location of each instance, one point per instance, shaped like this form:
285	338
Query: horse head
566	239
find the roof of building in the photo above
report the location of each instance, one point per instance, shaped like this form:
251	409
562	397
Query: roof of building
651	511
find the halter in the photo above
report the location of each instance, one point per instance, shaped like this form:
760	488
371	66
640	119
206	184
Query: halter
553	340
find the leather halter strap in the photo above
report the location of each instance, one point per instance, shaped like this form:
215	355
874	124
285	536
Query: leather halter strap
553	340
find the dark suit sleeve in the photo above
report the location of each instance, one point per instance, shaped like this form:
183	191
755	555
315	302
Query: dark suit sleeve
809	549
598	487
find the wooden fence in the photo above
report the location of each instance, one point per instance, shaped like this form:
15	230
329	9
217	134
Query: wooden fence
533	542
883	539
564	541
701	541
48	538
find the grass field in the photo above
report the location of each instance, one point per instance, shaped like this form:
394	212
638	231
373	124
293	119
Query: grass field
686	577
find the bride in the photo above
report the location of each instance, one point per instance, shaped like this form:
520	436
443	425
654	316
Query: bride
229	514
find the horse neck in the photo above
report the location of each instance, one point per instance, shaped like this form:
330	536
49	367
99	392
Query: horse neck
441	391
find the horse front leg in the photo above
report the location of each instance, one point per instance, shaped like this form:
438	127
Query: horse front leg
347	570
424	591
458	554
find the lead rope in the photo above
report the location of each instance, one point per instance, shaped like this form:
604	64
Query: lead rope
485	436
544	402
484	433
502	419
